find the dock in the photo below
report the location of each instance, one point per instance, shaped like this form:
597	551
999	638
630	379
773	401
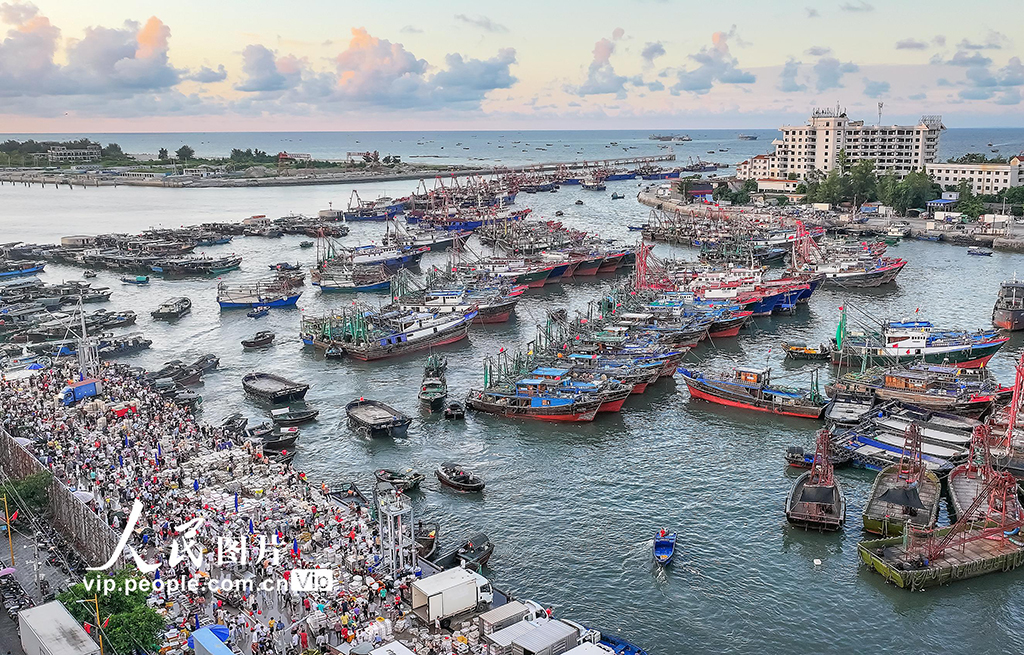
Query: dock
888	557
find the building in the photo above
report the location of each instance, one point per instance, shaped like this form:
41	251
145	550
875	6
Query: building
776	185
60	154
815	146
755	168
984	178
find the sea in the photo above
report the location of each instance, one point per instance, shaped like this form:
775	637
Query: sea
573	509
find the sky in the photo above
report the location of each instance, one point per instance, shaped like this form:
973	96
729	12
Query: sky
255	65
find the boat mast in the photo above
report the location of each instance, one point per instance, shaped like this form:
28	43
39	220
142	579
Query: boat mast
88	356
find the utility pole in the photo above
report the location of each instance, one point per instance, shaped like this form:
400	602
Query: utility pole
7	521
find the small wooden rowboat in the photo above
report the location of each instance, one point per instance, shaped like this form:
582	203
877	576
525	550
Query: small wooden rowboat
402	480
286	416
261	339
797	350
376	419
457	477
664	547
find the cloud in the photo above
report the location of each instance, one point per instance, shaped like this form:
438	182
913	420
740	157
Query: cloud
964	58
1012	74
17	13
468	80
829	72
993	41
482	22
812	12
873	89
976	94
264	73
618	33
818	51
409	29
715	64
206	75
910	44
601	75
1009	97
939	40
917	96
787	78
860	7
651	52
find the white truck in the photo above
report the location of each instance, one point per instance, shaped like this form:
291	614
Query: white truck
50	630
450	593
507	614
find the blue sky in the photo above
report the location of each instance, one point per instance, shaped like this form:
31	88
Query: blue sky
119	65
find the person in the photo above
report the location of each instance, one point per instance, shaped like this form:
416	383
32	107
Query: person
662	535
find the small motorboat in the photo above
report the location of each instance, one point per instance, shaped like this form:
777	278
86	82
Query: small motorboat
559	213
455	412
374	418
306	244
402	480
283	457
634	228
234	424
287	416
457	477
172	309
801	351
579	202
434	388
258	312
620	646
259	431
979	251
280	443
89	274
189	398
138	279
426	539
797	458
284	266
664	547
617	196
334	353
261	339
206	362
472	554
349	494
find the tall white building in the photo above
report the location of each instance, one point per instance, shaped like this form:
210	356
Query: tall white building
985	178
900	149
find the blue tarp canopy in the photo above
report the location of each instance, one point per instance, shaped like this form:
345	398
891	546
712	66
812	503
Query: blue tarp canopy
940	201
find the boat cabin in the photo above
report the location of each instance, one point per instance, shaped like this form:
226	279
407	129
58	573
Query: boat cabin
752	376
549	373
907	380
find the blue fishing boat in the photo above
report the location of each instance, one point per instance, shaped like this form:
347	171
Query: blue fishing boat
664	547
138	279
634	228
255	295
619	645
12	269
258	312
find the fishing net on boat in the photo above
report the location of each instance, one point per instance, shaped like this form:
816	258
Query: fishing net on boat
903	496
817	494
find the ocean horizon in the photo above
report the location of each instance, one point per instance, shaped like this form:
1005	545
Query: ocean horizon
504	147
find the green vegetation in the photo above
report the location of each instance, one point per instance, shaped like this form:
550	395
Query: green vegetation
968	203
976	158
132	624
685	185
741	197
30	493
858	183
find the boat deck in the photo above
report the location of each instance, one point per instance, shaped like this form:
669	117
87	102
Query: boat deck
878	510
978	557
371	414
270	385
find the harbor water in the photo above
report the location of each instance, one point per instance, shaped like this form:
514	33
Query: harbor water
572	509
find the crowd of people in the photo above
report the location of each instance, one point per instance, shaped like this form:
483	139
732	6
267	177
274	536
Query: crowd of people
214	508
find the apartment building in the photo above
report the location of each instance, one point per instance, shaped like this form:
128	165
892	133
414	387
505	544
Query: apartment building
815	146
60	154
984	178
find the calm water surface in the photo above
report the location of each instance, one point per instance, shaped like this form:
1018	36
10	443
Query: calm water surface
572	508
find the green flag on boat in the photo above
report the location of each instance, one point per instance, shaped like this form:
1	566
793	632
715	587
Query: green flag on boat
841	329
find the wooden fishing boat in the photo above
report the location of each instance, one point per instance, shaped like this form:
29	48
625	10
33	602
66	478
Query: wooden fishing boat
454	412
426	539
750	388
349	494
258	312
473	554
306	244
287	416
273	388
234	424
376	419
903	494
457	477
664	547
979	251
283	457
261	339
138	279
846	407
279	442
89	274
173	309
434	388
801	351
403	480
206	362
816	500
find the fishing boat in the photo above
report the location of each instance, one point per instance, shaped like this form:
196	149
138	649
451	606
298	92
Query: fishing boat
979	251
751	388
273	388
278	442
287	416
903	494
914	341
473	554
454	412
89	274
268	294
234	424
306	244
816	500
206	362
845	408
261	339
592	184
373	335
1008	313
457	477
801	351
434	388
664	547
406	480
537	399
618	645
426	539
351	278
138	279
617	196
258	312
172	309
376	419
